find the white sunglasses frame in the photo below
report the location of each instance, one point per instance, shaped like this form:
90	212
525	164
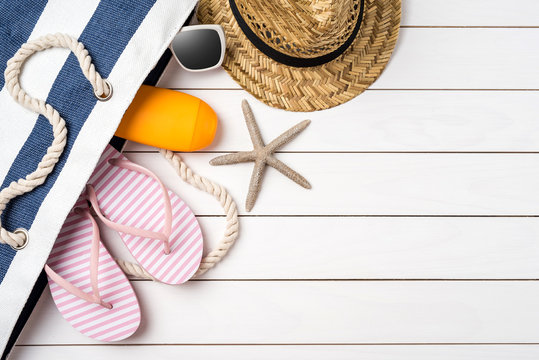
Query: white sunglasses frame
220	32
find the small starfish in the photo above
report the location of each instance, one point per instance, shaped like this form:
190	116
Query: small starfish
262	155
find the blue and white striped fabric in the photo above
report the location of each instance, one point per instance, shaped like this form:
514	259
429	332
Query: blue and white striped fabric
125	39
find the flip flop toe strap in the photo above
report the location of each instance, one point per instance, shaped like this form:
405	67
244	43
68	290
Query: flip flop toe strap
164	234
94	297
227	202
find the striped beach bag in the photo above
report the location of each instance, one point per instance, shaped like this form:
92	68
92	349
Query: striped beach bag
88	71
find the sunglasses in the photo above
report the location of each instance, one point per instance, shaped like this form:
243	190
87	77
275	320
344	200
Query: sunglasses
199	47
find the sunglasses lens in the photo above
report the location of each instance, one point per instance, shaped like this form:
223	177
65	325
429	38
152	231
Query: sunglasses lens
197	49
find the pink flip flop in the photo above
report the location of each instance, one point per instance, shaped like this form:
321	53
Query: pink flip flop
158	228
88	287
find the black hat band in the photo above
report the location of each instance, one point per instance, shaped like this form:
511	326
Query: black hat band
292	60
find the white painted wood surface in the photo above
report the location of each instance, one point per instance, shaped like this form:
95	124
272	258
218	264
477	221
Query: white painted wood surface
493	13
283	352
426	121
304	312
372	184
373	248
432	58
419	239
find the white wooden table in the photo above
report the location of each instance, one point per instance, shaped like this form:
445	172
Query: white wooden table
419	239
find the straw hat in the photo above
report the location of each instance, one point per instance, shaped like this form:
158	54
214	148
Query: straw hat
305	55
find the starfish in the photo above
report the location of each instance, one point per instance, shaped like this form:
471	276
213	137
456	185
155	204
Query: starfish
262	155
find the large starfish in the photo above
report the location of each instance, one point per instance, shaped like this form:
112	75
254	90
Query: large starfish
263	154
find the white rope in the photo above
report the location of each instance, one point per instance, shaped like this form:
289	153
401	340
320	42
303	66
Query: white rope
134	270
18	239
226	201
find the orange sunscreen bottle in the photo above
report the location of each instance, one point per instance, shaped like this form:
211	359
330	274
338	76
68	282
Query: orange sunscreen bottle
168	119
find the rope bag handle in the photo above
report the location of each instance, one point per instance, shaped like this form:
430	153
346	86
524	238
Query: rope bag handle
19	238
212	188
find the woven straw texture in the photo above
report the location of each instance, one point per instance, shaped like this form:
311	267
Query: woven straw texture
288	27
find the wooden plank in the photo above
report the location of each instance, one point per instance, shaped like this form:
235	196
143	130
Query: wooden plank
430	58
469	13
387	121
262	312
371	184
371	248
272	352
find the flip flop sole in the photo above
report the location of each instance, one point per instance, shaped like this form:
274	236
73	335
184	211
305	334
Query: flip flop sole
70	258
130	198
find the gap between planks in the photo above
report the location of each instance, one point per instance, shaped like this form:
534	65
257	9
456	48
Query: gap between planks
363	216
377	89
469	27
371	215
338	152
285	344
355	280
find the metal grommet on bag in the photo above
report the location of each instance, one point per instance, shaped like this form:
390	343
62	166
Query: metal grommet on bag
26	238
104	98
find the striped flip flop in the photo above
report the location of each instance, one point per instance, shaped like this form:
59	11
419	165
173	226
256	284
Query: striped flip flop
88	287
158	228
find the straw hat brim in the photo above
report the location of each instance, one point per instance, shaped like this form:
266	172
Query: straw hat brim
309	88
